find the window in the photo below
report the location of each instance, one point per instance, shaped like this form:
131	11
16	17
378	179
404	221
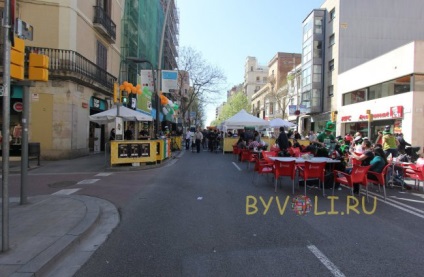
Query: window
318	25
332	14
354	97
101	55
271	108
307	30
330	90
264	79
331	40
307	49
105	5
251	68
317	74
331	65
317	49
258	78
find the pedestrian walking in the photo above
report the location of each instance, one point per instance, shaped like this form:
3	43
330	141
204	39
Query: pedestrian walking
198	136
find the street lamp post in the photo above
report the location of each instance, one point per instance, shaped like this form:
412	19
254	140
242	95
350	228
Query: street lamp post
136	61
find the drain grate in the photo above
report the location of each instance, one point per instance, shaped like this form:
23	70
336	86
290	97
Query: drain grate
62	184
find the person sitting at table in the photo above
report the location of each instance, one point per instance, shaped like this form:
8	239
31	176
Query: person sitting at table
367	154
365	158
377	163
252	144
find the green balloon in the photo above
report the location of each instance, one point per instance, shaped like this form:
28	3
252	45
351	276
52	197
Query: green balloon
176	106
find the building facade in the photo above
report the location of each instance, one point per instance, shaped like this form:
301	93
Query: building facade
389	87
343	34
87	44
271	101
255	76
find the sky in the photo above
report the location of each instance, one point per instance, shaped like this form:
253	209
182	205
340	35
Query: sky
226	32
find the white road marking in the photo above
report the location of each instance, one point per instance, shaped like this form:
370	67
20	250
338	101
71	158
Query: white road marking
103	174
325	261
399	205
65	191
87	181
237	166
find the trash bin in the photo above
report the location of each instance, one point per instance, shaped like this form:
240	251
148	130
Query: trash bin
34	151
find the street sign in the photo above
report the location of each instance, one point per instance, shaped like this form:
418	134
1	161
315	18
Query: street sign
169	81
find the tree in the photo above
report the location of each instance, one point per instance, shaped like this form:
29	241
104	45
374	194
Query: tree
204	81
236	103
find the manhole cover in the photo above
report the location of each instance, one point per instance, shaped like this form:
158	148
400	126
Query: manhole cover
62	184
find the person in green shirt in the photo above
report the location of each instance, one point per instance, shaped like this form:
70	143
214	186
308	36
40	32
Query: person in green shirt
389	143
326	137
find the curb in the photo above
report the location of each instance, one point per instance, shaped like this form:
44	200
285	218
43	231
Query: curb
46	259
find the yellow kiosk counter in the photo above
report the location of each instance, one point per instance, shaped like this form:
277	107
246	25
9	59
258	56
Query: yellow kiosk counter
138	151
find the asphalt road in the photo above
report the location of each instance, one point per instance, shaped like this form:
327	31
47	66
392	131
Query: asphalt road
197	217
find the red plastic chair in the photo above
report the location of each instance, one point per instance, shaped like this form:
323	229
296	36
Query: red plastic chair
313	170
275	148
287	169
262	167
416	173
380	178
357	176
267	154
248	156
296	152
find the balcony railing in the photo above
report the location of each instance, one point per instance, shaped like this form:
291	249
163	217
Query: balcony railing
107	27
68	64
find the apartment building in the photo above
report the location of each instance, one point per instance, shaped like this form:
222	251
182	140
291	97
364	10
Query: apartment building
271	100
343	34
87	43
391	89
255	76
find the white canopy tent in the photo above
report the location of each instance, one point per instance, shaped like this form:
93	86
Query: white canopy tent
278	122
126	114
244	119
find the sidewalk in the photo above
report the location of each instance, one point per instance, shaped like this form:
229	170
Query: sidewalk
54	235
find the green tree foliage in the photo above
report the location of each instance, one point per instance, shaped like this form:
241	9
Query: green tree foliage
235	103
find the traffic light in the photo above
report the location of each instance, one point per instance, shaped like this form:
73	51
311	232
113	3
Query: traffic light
17	59
124	98
334	116
115	92
38	67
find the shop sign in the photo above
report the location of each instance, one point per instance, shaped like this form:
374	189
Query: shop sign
346	118
18	107
394	112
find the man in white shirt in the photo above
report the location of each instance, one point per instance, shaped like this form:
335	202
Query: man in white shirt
198	136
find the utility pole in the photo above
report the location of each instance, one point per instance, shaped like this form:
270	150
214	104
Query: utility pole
6	125
159	73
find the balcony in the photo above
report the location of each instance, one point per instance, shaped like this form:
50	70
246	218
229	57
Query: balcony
104	25
70	65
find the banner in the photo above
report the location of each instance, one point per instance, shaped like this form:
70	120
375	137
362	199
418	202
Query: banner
293	108
169	81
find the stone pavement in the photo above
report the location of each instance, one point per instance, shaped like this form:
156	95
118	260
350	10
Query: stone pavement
54	235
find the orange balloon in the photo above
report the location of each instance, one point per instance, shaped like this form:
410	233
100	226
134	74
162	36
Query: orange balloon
125	83
163	100
128	89
139	91
121	87
133	90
